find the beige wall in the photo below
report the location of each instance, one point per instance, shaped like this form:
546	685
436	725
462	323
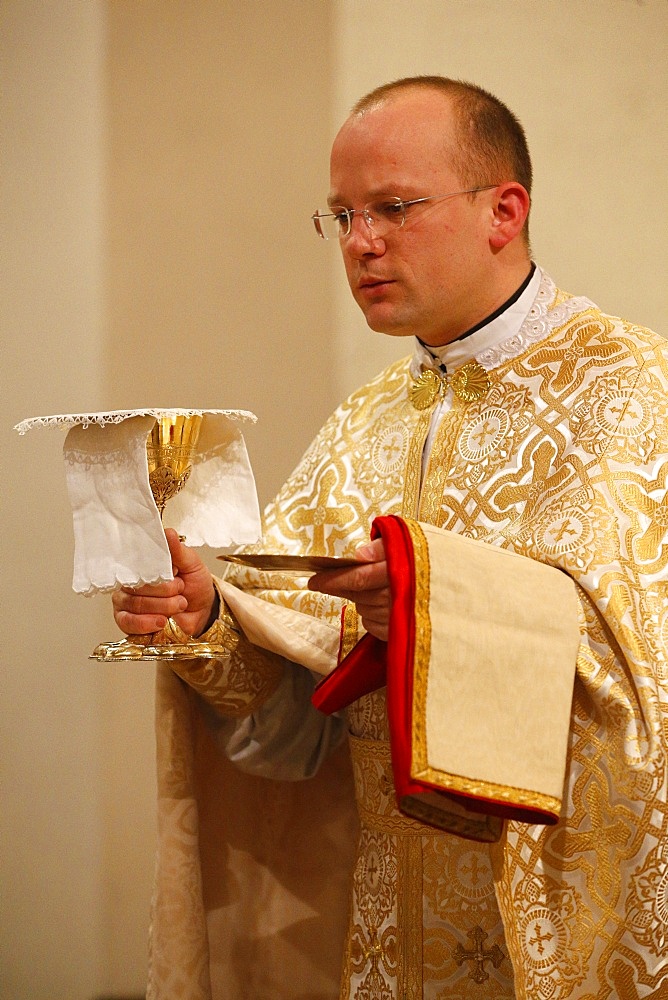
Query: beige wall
144	145
217	143
53	748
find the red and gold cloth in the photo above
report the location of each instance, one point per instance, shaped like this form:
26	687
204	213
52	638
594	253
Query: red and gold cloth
468	679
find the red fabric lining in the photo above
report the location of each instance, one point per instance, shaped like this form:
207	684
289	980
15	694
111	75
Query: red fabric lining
360	672
373	663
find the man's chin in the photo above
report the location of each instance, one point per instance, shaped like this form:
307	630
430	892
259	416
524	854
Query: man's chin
380	322
389	329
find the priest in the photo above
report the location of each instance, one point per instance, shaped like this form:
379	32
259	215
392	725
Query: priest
495	693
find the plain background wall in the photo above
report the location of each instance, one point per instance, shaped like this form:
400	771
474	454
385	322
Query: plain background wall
54	751
160	163
217	140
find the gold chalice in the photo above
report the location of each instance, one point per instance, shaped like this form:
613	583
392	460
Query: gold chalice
170	448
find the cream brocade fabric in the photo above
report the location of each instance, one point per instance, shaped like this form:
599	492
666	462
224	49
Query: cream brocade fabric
564	461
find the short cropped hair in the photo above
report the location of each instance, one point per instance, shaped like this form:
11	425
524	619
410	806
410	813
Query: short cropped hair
492	146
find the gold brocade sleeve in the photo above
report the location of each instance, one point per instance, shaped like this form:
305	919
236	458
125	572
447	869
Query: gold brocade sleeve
237	684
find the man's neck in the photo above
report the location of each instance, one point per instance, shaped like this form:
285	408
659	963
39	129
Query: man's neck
505	300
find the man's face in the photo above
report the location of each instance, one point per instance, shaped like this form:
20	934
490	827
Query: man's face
431	277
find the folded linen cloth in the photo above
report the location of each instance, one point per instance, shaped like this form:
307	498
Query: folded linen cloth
479	666
118	534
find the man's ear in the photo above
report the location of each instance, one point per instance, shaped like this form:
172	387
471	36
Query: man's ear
510	208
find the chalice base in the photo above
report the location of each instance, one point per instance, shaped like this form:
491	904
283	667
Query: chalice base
167	644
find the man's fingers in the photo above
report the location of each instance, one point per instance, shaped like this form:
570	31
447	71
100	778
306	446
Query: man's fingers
372	603
185	560
356	579
153	605
366	585
146	609
369	574
371	551
167	589
378	627
139	624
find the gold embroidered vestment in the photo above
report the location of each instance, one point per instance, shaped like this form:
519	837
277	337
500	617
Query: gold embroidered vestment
563	460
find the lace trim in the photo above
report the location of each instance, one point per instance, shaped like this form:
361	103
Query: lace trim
135	582
542	318
549	309
118	416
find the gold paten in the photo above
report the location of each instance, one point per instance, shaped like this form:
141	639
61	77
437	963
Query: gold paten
170	448
469	383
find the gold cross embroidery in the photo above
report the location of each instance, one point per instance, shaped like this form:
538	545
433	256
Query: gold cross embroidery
325	513
392	448
540	938
512	495
478	955
487	430
563	530
609	831
373	951
648	546
475	869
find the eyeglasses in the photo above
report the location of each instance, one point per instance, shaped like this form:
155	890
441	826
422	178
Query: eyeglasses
382	216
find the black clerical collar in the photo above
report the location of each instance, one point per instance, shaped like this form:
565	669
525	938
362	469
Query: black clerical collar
492	316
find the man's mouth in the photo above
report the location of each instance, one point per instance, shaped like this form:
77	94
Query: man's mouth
368	284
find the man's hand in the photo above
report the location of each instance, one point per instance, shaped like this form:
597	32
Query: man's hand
189	598
367	585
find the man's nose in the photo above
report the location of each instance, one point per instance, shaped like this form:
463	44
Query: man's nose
361	239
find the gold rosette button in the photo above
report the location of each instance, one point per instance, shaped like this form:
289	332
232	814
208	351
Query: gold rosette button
470	382
426	388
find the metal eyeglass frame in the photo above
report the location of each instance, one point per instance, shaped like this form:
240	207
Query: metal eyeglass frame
371	219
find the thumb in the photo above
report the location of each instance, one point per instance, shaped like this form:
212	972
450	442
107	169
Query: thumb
184	559
371	551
